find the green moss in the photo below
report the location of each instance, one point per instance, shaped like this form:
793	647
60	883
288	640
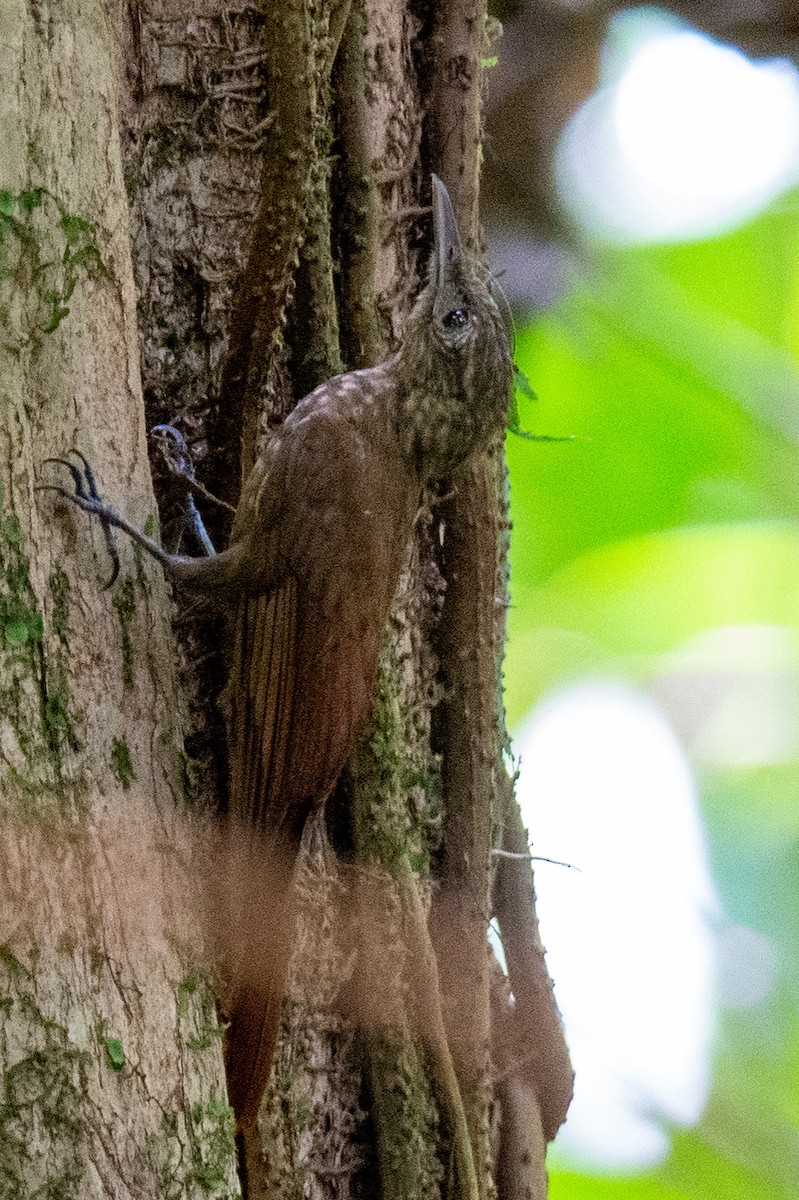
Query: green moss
396	807
187	990
115	1053
195	1005
212	1129
59	721
397	799
405	1119
197	1155
125	605
122	763
205	1039
47	1086
32	670
21	625
45	253
20	620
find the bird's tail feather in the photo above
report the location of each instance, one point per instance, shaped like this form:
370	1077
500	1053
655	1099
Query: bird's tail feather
259	943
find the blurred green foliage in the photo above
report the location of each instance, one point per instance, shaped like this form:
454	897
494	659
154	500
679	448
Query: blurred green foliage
675	512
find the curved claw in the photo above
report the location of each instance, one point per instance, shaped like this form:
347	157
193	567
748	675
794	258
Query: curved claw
108	533
173	432
87	472
77	478
110	546
87	497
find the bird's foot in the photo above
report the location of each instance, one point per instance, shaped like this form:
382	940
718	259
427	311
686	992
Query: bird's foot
86	496
174	451
178	461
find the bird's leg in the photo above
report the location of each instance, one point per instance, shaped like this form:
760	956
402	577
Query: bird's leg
178	461
87	497
217	576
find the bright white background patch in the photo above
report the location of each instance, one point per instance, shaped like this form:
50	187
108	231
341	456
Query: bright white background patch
687	137
605	786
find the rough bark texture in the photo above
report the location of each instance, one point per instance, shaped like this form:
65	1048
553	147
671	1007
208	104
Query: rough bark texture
276	157
112	1079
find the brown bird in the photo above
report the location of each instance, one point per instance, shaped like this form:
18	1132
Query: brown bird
316	551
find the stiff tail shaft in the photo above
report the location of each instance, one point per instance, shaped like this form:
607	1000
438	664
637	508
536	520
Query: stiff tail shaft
259	944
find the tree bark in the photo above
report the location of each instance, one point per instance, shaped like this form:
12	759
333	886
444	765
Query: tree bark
276	158
113	1082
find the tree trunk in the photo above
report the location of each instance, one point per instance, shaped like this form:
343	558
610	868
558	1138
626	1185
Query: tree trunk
113	1082
275	157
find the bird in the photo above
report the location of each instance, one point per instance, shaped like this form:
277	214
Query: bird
316	551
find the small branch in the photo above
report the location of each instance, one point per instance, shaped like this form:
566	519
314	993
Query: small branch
531	858
454	113
313	326
536	1021
263	293
521	1154
467	723
359	217
467	737
430	1021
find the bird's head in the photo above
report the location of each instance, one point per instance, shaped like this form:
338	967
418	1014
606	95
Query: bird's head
455	359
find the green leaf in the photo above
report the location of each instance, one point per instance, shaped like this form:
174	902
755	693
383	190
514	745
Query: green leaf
35	625
12	531
116	1055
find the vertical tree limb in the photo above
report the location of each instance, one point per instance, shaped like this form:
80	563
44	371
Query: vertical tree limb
534	1036
259	313
359	218
469	724
110	1063
466	723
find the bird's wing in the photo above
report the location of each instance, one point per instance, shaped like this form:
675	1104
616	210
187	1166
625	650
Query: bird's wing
260	699
303	643
303	657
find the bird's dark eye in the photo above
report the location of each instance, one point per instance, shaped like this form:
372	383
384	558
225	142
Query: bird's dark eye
455	318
